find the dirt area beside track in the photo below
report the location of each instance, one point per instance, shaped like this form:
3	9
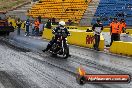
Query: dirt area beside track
6	5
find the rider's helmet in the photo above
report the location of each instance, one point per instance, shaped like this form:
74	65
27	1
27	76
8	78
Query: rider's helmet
62	23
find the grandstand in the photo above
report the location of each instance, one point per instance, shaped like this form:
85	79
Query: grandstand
108	9
60	9
84	12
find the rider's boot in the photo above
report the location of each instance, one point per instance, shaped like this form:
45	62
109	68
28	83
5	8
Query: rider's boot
47	48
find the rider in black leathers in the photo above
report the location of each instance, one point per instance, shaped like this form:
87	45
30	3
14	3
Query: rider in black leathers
60	30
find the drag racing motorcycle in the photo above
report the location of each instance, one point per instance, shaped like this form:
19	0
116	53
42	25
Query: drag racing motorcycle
60	48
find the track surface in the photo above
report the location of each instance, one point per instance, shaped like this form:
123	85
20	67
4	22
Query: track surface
23	65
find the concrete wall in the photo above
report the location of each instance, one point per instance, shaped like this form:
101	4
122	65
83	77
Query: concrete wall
120	47
78	37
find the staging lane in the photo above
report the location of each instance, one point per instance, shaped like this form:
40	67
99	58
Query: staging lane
63	70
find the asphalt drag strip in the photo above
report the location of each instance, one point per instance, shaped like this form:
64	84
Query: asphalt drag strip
6	81
40	70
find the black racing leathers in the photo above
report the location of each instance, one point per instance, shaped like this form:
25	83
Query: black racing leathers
58	32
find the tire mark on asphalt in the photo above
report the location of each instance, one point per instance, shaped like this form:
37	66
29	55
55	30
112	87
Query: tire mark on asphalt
66	69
